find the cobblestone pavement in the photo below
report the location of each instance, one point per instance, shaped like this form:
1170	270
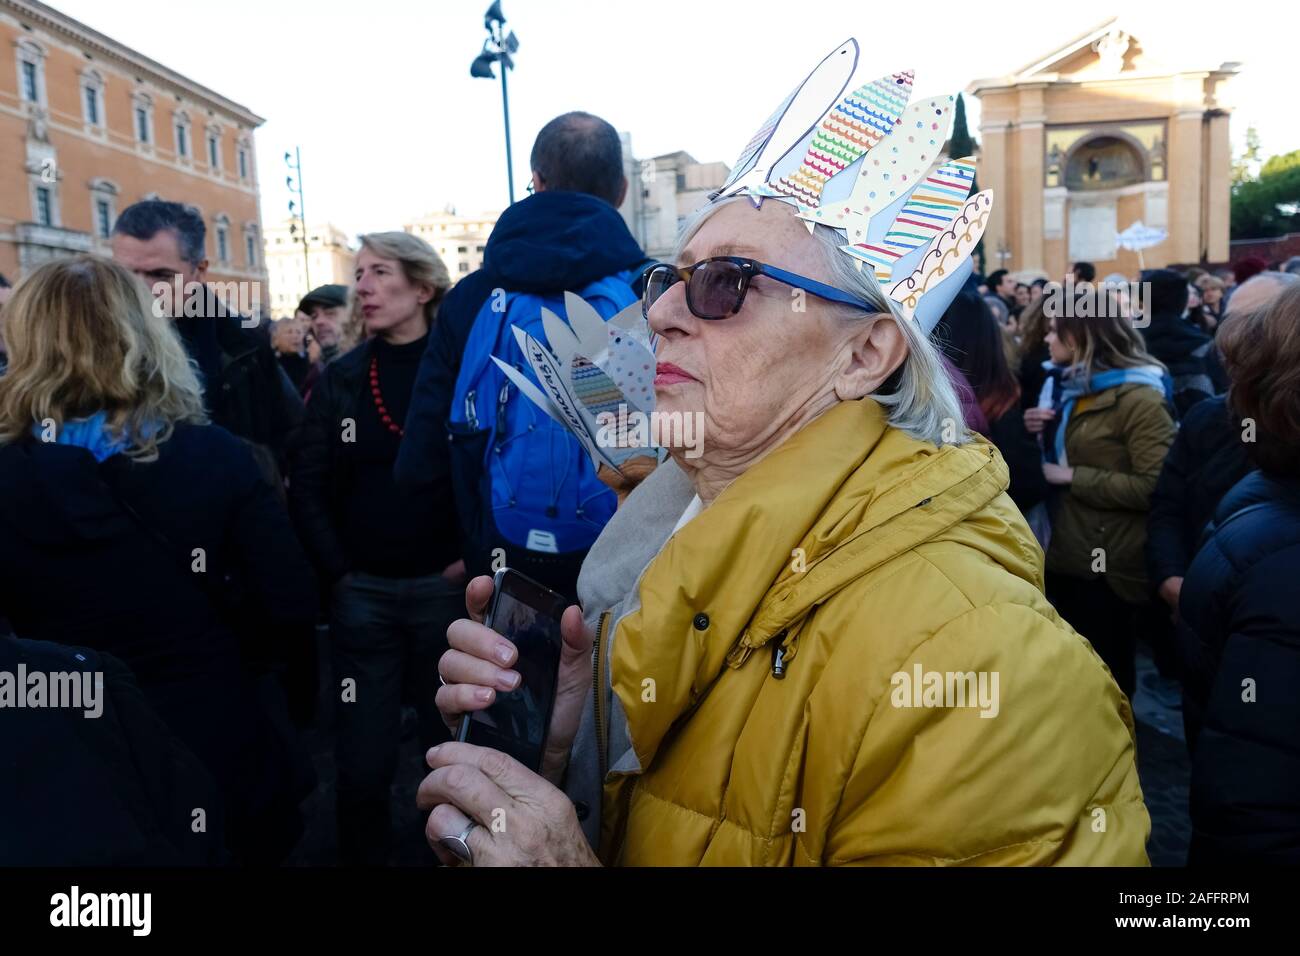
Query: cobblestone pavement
1162	765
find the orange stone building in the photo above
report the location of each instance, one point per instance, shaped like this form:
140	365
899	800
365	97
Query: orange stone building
89	126
1094	137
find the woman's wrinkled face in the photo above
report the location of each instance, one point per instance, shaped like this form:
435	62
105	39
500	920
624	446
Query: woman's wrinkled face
775	364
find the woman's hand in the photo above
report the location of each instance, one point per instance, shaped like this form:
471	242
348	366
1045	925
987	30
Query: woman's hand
523	820
634	471
1170	589
1036	418
455	572
1057	474
479	665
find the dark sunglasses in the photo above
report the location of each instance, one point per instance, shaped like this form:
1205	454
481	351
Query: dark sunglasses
715	288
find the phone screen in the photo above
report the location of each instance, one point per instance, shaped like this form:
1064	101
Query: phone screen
528	615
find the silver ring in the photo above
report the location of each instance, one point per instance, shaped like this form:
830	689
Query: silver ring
459	845
442	680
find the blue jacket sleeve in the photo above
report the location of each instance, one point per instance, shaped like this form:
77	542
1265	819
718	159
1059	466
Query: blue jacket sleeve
422	459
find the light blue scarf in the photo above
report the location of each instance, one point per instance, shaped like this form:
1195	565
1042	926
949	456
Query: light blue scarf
90	433
1077	386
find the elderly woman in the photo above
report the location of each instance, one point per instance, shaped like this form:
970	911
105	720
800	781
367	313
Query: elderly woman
823	641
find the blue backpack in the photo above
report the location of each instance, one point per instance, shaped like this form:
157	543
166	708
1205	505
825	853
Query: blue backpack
538	498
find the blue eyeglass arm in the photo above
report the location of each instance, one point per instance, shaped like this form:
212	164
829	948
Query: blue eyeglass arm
819	289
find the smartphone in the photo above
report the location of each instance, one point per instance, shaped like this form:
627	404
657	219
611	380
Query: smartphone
528	615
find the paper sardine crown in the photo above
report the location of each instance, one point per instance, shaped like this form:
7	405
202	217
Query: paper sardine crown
866	162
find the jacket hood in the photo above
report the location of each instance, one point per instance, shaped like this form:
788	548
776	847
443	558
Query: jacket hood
52	494
554	240
1171	336
1257	488
844	496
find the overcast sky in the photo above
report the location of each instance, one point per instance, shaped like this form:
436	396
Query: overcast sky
378	93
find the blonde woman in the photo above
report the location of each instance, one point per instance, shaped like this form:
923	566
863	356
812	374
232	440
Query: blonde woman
390	557
1104	442
121	511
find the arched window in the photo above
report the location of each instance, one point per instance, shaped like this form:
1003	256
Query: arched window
214	148
1104	162
221	234
184	137
252	256
30	59
103	207
142	118
92	99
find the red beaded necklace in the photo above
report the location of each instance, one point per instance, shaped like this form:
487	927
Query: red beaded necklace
378	397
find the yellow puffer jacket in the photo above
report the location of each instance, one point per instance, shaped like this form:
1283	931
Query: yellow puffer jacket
870	559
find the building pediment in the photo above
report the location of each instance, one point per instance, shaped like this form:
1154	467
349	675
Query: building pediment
1106	50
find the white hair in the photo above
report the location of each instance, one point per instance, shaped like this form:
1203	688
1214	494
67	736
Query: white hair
920	398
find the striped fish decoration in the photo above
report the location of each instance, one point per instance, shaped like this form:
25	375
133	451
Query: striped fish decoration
855	124
948	250
792	121
892	168
929	210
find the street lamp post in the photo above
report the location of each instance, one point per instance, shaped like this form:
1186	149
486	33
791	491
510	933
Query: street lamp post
497	48
298	209
1004	253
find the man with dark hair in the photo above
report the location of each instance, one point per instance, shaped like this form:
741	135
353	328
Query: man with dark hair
1003	285
244	389
1084	272
1186	351
564	237
1001	297
580	153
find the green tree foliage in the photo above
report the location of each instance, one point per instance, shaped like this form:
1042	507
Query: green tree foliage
962	144
1270	204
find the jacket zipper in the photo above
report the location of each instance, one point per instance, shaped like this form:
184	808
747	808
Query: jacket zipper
597	667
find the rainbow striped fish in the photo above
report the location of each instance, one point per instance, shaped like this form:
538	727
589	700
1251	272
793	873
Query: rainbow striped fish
855	124
929	210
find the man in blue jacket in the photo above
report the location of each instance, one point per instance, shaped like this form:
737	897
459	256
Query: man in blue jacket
565	236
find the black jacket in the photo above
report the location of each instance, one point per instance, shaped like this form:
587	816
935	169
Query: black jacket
76	568
1189	355
244	389
1207	458
1243	678
548	243
1023	456
116	789
322	471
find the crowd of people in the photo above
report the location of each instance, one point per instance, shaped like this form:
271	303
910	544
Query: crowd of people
188	502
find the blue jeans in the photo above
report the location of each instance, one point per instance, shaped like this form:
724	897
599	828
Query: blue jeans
387	636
